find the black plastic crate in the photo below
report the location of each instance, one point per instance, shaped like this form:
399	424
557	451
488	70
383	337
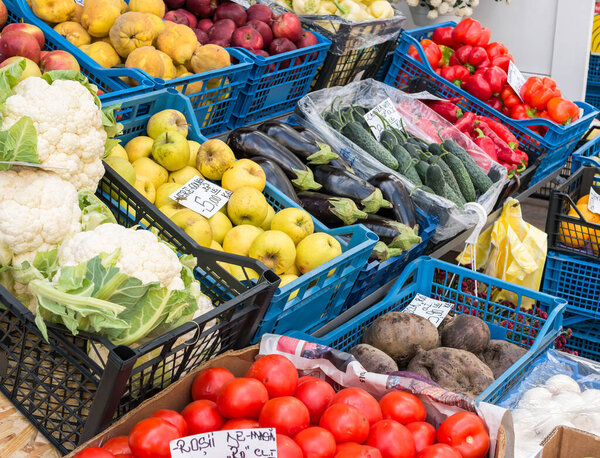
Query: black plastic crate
72	387
573	235
546	190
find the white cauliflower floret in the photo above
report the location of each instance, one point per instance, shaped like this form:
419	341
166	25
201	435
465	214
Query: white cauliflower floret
38	210
141	255
68	125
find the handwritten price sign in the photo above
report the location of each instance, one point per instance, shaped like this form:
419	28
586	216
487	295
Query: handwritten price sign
430	309
386	110
235	443
201	196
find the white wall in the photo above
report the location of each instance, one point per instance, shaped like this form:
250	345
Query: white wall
546	37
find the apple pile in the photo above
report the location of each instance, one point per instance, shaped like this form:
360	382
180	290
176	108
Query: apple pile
160	163
228	24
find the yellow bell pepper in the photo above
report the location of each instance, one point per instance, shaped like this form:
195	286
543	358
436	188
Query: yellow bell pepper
351	10
306	6
381	9
327	8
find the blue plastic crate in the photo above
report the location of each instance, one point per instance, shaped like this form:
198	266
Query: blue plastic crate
277	82
594	69
552	149
584	154
585	339
592	94
377	274
434	278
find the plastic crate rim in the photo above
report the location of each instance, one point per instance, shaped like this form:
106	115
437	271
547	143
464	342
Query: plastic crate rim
323	43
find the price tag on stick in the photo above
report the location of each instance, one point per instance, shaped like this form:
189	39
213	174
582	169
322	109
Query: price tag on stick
386	110
235	443
201	196
515	79
430	309
594	201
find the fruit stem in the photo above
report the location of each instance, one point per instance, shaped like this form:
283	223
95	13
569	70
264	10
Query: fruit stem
323	156
346	210
305	180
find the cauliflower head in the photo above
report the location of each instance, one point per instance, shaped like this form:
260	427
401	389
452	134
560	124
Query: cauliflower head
141	254
38	210
70	135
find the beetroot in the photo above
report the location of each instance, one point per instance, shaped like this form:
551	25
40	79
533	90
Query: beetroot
466	332
263	29
231	11
260	13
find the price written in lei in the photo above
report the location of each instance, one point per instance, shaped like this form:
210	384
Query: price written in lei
386	110
431	309
235	443
515	79
594	201
201	196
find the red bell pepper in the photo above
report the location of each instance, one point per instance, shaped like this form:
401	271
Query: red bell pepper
484	38
502	62
443	36
495	103
502	131
432	52
562	111
485	143
537	91
457	74
523	111
446	109
446	54
468	32
509	97
487	82
472	57
496	49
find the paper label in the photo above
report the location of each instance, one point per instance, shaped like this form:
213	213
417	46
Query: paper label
79	2
201	196
424	95
516	80
387	111
431	309
235	443
594	202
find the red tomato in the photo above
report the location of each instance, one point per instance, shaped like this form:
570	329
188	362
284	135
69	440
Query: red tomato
392	439
286	414
315	395
175	418
363	401
465	432
346	423
150	438
347	446
209	382
118	445
439	451
287	448
242	398
94	452
316	442
240	423
362	451
277	373
202	416
402	407
423	434
307	378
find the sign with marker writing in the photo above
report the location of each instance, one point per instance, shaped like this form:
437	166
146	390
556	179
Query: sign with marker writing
79	2
387	111
431	309
594	201
234	443
515	79
201	196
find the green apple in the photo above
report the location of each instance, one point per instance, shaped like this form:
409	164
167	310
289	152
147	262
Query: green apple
194	148
118	151
220	226
295	222
145	188
266	224
244	173
194	225
139	147
239	239
163	192
275	249
171	150
247	205
122	167
182	176
316	249
147	168
167	120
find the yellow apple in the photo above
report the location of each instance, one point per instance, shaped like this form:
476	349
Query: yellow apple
247	206
194	147
122	167
293	270
146	167
163	192
171	150
266	224
213	158
139	147
316	249
242	273
194	225
275	249
214	245
288	278
182	176
244	173
171	208
167	121
239	239
118	151
220	226
145	188
295	222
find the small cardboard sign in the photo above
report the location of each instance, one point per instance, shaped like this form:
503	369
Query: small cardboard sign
387	110
201	196
234	443
431	309
515	79
594	201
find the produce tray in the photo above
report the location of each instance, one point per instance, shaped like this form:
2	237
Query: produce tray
377	274
213	94
585	339
553	148
435	279
592	94
593	76
107	79
276	83
583	155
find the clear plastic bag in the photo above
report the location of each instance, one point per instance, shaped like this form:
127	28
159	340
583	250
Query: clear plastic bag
369	93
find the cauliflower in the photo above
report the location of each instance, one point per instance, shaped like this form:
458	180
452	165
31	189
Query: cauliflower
70	133
38	210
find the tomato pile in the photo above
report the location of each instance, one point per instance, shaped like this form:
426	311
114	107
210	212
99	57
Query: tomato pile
310	418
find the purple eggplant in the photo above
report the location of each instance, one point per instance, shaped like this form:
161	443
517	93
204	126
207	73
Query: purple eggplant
331	211
392	233
403	208
277	177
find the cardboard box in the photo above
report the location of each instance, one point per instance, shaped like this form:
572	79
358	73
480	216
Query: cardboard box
565	442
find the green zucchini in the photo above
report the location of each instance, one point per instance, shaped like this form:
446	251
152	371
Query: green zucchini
462	176
357	134
480	180
448	176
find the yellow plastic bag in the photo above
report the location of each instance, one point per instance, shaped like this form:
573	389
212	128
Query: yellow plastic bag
511	250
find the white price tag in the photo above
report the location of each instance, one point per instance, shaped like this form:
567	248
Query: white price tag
515	79
201	196
79	2
594	202
387	111
234	443
431	309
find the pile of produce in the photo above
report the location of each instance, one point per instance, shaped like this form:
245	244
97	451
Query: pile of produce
576	235
310	419
459	355
351	10
464	56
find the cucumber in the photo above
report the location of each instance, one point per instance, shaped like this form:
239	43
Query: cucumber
414	151
406	165
448	176
421	168
435	179
422	145
435	148
333	120
357	134
480	180
462	176
388	139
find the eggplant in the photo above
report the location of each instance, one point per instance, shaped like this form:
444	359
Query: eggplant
392	233
331	211
246	143
277	177
403	207
310	136
308	151
342	183
341	163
